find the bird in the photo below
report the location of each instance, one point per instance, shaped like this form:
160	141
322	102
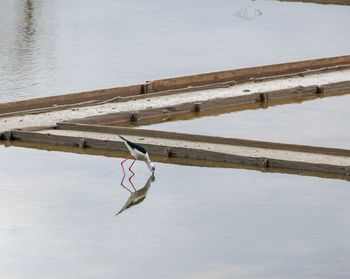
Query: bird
137	196
139	153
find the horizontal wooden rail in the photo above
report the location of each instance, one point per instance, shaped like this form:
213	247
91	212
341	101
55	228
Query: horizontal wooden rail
246	74
179	152
290	95
201	138
234	76
170	160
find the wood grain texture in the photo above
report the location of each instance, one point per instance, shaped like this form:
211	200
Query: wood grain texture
201	138
179	152
206	79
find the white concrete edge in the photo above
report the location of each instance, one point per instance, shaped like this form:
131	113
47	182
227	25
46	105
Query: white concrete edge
51	118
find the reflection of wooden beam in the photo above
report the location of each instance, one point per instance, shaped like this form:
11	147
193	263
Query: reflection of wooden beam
179	84
333	2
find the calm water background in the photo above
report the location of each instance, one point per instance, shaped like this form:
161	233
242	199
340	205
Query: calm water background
57	209
322	122
57	221
56	47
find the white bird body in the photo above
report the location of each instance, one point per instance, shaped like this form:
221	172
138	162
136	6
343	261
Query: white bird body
139	153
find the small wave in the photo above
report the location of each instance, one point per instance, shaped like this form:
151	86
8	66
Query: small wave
247	13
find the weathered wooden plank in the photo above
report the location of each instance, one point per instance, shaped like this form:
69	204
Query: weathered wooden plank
246	74
201	138
300	91
174	160
336	87
180	152
296	94
307	166
68	99
213	78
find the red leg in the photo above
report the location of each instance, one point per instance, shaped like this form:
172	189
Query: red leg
132	174
131	166
131	182
129	170
121	183
124	162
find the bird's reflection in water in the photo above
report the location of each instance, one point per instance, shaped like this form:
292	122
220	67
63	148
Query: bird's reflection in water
136	196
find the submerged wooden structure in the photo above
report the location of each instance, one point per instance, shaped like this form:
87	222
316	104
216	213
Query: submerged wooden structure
92	132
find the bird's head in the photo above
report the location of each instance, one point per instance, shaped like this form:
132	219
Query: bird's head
153	167
150	164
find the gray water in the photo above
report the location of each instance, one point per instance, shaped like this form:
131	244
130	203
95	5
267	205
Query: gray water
57	209
57	47
321	122
57	221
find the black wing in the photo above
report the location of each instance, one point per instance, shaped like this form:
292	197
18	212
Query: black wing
134	145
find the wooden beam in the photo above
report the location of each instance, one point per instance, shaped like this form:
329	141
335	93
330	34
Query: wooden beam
206	79
296	94
247	74
171	160
201	138
183	152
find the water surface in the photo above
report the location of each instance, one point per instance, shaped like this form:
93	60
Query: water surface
57	47
57	220
321	122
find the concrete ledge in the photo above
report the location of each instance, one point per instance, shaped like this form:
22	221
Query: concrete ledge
206	79
216	149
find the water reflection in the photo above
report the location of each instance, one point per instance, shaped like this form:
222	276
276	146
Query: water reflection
247	13
256	225
29	29
136	196
321	122
18	47
25	42
56	47
27	48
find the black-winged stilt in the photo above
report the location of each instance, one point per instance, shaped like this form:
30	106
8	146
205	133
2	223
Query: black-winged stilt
139	153
137	196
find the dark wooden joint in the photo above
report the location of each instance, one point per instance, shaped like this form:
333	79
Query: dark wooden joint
168	152
264	97
347	171
82	143
198	107
7	135
145	88
319	89
264	163
134	117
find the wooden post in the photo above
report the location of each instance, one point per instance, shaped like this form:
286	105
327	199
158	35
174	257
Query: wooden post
82	143
197	107
134	116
